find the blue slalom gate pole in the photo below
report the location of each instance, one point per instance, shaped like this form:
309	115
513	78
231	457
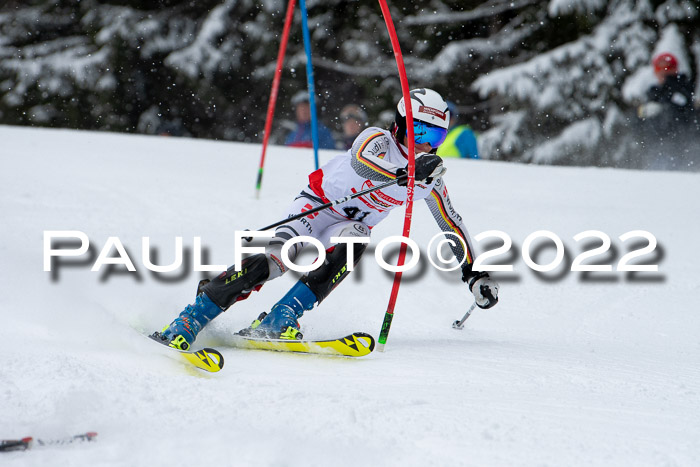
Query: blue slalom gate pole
310	79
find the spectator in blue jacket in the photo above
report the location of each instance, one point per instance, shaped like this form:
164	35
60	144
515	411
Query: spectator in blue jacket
301	136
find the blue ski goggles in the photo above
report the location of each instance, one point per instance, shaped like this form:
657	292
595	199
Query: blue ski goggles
427	133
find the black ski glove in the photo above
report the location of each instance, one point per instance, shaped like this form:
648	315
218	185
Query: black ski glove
484	288
428	166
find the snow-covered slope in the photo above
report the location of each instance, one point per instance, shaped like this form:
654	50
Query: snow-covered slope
568	369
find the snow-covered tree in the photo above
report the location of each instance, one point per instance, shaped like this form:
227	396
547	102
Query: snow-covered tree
207	65
133	66
545	82
575	102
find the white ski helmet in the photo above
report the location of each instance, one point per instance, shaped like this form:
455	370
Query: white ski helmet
427	106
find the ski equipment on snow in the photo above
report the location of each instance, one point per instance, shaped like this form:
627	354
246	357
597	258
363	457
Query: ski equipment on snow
23	444
182	332
207	359
282	321
459	324
357	344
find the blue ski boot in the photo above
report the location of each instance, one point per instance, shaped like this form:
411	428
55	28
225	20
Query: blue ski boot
282	321
182	332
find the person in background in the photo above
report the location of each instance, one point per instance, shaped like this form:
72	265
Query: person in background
671	101
301	135
354	120
461	140
668	119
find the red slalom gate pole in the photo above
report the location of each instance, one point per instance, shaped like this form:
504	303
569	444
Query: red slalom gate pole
389	315
275	89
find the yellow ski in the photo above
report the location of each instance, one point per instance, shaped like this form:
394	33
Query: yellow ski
206	359
357	344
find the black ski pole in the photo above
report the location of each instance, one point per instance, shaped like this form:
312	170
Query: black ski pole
460	324
329	204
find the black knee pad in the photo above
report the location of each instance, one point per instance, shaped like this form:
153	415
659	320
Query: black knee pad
334	269
232	285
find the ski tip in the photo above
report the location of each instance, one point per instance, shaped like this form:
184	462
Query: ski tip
218	355
206	359
358	344
371	343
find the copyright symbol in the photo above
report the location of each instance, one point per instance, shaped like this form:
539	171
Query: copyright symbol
443	238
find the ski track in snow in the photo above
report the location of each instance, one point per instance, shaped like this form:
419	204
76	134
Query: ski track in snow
561	372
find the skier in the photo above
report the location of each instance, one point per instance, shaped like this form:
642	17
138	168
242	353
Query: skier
377	156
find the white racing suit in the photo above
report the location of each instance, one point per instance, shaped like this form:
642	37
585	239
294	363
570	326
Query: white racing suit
373	159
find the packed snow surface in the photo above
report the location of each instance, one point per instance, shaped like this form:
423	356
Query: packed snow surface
570	368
